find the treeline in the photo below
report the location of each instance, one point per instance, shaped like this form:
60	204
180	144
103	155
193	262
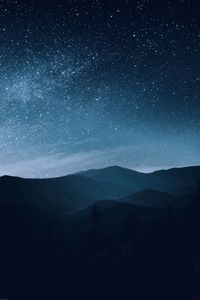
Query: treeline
160	260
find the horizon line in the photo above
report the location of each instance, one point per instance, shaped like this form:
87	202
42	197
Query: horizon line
78	173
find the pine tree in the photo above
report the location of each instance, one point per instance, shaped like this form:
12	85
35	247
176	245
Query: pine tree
131	235
96	231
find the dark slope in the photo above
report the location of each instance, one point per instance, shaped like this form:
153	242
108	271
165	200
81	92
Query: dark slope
114	214
124	179
174	180
151	198
181	180
156	199
67	194
115	174
183	190
44	238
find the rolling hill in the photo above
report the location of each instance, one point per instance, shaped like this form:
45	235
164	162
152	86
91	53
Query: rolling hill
70	193
175	181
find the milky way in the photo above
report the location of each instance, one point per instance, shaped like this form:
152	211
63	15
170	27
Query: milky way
87	84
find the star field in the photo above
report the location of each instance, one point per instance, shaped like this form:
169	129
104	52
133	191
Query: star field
86	84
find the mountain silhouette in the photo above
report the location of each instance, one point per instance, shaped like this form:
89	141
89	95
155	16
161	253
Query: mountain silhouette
69	193
151	198
176	181
111	223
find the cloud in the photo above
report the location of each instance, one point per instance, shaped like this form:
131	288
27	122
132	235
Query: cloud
59	164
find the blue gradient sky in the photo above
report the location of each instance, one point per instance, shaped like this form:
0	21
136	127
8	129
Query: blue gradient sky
98	83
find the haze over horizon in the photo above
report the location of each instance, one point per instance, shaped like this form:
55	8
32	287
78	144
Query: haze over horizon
47	176
98	83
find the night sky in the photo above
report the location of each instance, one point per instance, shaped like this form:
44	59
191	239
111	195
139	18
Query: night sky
88	84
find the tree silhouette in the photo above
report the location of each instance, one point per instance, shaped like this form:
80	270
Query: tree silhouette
192	229
131	235
96	231
198	188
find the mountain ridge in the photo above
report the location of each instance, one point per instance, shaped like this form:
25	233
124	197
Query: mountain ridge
76	191
114	167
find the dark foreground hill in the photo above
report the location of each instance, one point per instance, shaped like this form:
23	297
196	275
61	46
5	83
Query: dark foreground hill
119	249
151	198
59	241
